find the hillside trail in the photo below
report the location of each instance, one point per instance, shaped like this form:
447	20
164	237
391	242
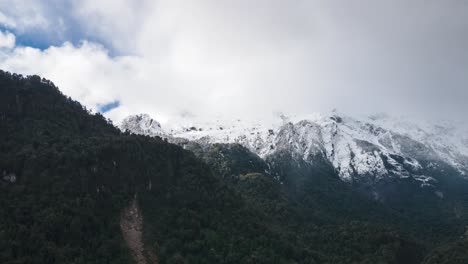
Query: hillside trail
131	224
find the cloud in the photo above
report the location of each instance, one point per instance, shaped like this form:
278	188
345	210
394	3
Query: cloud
24	14
7	21
238	58
85	72
89	74
7	40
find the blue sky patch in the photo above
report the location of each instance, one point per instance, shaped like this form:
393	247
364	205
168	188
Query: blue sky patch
109	106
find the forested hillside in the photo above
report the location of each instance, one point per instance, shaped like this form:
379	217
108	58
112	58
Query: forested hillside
68	174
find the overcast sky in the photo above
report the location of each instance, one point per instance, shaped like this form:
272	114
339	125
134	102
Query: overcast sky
242	58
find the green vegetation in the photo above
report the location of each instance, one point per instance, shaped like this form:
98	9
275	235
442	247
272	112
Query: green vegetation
452	253
67	174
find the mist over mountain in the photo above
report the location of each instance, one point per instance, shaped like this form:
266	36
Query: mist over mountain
237	59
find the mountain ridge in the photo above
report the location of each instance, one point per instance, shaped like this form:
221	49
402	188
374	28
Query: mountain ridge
375	147
70	176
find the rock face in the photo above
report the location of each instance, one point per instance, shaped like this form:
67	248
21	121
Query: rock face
368	150
142	125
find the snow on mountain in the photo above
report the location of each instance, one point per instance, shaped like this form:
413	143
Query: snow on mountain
142	124
375	147
448	141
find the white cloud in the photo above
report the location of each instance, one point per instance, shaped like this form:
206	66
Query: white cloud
87	73
7	21
114	21
24	15
243	57
84	72
7	40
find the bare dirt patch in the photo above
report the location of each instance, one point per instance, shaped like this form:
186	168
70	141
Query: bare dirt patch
131	224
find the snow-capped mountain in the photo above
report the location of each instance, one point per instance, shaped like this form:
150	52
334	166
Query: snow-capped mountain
142	125
377	148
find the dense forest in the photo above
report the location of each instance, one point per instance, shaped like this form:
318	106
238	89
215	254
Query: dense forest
67	174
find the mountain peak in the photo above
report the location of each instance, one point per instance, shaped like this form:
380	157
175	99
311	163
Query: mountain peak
374	148
142	124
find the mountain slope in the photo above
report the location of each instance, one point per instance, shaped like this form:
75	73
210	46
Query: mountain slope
416	172
68	177
367	151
